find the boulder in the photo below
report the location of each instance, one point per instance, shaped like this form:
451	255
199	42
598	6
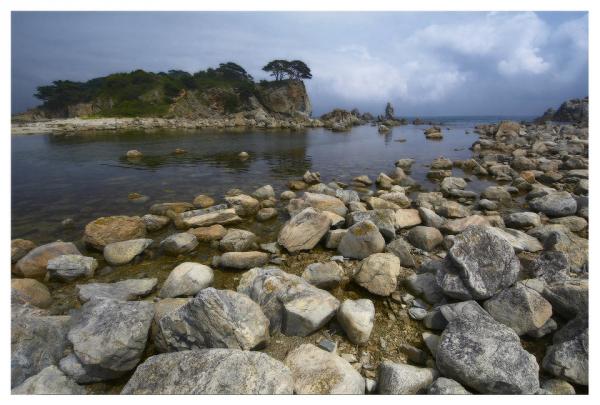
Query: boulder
357	319
555	386
187	279
319	202
326	275
522	220
361	240
28	290
119	253
425	285
402	249
446	386
485	355
557	204
378	273
520	308
459	225
126	290
265	214
568	356
215	319
19	248
106	230
558	238
176	207
179	243
241	260
34	263
425	237
264	193
155	222
316	371
304	230
36	342
430	218
243	204
108	338
292	305
203	201
550	267
238	240
404	379
519	240
208	233
384	219
49	381
210	216
70	267
451	209
406	218
210	371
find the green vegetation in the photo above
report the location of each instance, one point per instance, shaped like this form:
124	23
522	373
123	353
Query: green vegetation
294	70
140	93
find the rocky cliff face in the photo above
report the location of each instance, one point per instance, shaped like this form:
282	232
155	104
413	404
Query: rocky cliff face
288	97
575	110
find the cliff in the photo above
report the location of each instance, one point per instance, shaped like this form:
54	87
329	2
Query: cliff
575	111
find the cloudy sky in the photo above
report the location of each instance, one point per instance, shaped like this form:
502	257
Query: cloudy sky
424	63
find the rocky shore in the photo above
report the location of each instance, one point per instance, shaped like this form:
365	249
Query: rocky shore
369	287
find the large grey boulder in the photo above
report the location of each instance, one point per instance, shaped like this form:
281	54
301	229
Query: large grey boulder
569	298
485	355
292	305
215	319
179	243
70	267
326	275
210	371
186	279
556	204
238	240
520	308
361	240
379	273
36	342
357	319
402	249
316	371
304	230
426	286
568	356
108	337
522	220
384	220
49	381
446	386
118	253
485	263
519	240
126	290
404	379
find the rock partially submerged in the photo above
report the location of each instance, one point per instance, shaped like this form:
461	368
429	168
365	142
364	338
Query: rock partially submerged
35	262
304	230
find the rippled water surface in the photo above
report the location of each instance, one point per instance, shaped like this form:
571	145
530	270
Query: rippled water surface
85	176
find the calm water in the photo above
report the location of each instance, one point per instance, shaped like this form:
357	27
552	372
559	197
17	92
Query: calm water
85	176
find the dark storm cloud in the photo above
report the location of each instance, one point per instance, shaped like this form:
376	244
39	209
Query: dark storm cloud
425	63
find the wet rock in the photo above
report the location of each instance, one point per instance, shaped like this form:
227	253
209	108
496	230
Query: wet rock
485	355
211	371
207	217
319	202
264	192
265	214
287	195
401	248
361	240
179	243
403	379
186	279
70	267
406	218
106	230
453	183
567	358
126	290
119	253
557	204
238	240
357	319
215	319
375	203
243	204
28	290
36	342
208	233
520	308
134	154
203	201
446	386
384	181
241	260
108	337
304	230
425	237
326	275
19	248
155	222
451	209
49	381
519	240
363	179
292	305
398	198
297	185
522	220
496	193
378	273
34	263
316	371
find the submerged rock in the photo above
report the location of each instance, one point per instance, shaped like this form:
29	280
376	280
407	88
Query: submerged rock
106	230
238	240
126	290
219	214
241	260
155	222
211	371
316	371
119	253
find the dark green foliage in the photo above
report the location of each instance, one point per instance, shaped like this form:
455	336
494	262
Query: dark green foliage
282	69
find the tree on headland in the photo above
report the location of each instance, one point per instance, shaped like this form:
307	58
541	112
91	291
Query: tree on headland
282	69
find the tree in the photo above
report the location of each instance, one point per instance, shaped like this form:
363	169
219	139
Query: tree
231	70
282	69
278	68
298	70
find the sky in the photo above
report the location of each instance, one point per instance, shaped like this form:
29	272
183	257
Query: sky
424	63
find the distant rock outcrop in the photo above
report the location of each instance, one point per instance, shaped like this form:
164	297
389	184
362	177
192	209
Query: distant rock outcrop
575	110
